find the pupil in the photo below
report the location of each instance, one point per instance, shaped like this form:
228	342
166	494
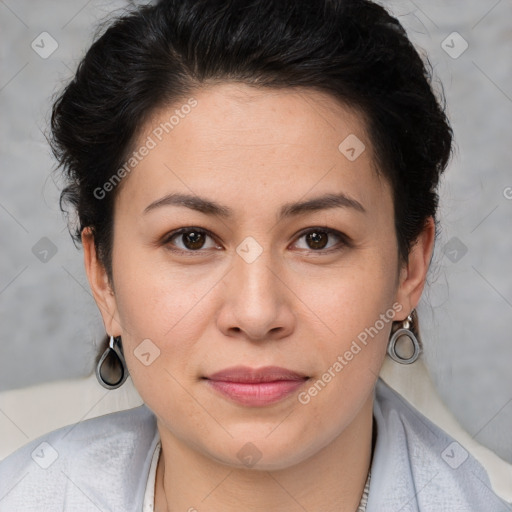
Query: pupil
193	240
315	238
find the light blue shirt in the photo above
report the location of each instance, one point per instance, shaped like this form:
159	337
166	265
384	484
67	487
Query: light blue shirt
102	464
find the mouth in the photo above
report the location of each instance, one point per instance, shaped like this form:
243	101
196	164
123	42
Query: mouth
256	387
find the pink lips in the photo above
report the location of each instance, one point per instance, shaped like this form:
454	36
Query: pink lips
256	387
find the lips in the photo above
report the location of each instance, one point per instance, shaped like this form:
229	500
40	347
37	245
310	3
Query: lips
245	374
256	387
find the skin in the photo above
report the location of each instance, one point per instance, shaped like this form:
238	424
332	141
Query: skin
253	150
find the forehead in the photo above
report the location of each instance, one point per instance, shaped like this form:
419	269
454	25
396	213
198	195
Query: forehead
243	142
233	114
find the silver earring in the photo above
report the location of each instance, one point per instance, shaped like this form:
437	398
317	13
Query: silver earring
111	370
404	345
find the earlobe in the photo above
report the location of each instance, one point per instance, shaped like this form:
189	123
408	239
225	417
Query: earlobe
100	285
414	273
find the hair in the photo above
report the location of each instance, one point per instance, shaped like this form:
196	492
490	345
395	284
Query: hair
156	55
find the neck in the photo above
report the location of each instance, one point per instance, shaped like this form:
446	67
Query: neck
331	479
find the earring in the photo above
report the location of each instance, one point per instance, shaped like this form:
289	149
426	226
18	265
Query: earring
111	370
405	334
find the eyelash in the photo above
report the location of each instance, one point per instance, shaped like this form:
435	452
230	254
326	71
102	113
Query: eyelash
344	239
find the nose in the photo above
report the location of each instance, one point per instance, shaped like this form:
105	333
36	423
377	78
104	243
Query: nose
257	303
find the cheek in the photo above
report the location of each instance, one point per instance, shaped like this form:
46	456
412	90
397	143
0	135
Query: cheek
355	296
357	311
154	298
348	359
162	317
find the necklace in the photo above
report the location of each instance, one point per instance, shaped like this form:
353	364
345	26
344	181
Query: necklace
362	504
364	497
361	507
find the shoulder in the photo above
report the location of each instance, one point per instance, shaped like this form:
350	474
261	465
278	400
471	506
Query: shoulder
417	466
90	465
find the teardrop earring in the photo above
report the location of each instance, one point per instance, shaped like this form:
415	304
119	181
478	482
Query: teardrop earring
404	344
111	370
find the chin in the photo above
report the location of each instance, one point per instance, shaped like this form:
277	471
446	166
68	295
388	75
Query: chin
263	454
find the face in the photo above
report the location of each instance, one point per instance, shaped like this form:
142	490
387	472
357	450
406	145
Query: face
282	254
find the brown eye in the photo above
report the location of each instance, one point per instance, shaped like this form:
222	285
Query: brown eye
193	239
188	240
317	239
320	239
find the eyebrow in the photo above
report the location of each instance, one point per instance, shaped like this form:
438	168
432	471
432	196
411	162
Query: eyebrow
210	207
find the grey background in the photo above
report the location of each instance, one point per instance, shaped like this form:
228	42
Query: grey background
49	322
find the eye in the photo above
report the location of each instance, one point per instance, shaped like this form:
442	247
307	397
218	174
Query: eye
317	239
191	238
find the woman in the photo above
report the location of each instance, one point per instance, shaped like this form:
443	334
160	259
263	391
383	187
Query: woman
255	184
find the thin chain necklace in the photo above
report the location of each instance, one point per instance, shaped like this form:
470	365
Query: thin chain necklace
362	504
364	497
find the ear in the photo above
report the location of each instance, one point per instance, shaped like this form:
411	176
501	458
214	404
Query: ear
413	274
100	285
